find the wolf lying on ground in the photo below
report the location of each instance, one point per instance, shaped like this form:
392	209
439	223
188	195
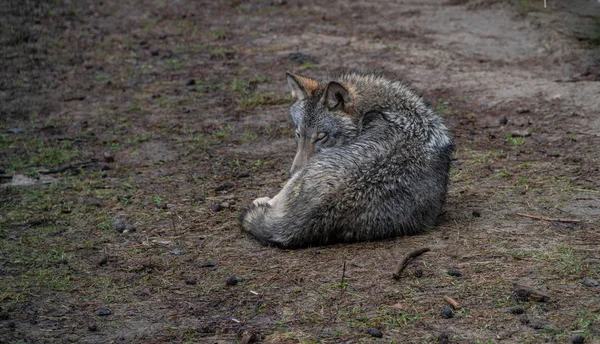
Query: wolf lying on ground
373	162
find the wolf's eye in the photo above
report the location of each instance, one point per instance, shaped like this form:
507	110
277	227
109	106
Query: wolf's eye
321	137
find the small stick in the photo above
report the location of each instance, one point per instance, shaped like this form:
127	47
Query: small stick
342	288
451	302
66	167
404	262
562	219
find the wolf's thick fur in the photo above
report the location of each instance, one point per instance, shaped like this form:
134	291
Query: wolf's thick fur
373	162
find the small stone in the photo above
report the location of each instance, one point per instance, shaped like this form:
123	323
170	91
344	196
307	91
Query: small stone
553	155
225	205
523	110
191	82
119	226
243	174
503	120
154	52
374	332
232	280
199	199
225	185
104	312
454	273
516	310
590	282
217	207
578	339
476	213
520	133
103	260
443	338
418	272
93	327
163	206
177	251
447	312
15	130
106	168
190	281
299	57
109	157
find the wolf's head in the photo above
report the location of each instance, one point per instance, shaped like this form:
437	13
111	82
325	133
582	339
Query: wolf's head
324	116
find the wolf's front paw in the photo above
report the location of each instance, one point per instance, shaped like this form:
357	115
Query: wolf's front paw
264	201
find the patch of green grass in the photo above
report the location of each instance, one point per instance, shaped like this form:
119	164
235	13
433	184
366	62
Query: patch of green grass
219	34
489	155
502	175
221	52
249	136
306	65
53	156
5	142
238	85
101	77
135	107
515	141
173	64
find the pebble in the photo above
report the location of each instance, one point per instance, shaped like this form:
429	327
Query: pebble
503	120
191	82
476	213
109	157
454	273
447	312
243	174
225	185
590	282
15	130
516	310
103	260
190	281
299	57
119	226
418	272
232	280
578	339
104	311
217	207
375	332
93	327
523	110
199	199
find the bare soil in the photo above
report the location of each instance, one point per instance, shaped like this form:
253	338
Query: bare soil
132	133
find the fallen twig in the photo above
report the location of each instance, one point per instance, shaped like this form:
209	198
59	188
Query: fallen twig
66	167
550	219
404	262
451	302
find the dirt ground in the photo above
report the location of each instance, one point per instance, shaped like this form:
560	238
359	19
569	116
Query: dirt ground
133	132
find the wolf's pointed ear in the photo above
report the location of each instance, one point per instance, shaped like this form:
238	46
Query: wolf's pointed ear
302	87
337	97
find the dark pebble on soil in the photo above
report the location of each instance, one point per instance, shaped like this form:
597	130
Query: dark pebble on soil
443	338
243	174
92	327
503	120
516	310
104	311
447	312
225	185
190	281
232	280
553	155
119	226
454	273
103	260
476	213
199	199
299	58
590	282
374	332
109	157
217	207
105	168
523	110
191	82
418	272
578	339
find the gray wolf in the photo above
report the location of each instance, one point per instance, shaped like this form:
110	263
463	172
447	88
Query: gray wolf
372	162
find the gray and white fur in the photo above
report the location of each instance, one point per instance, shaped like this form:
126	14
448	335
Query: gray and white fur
373	162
